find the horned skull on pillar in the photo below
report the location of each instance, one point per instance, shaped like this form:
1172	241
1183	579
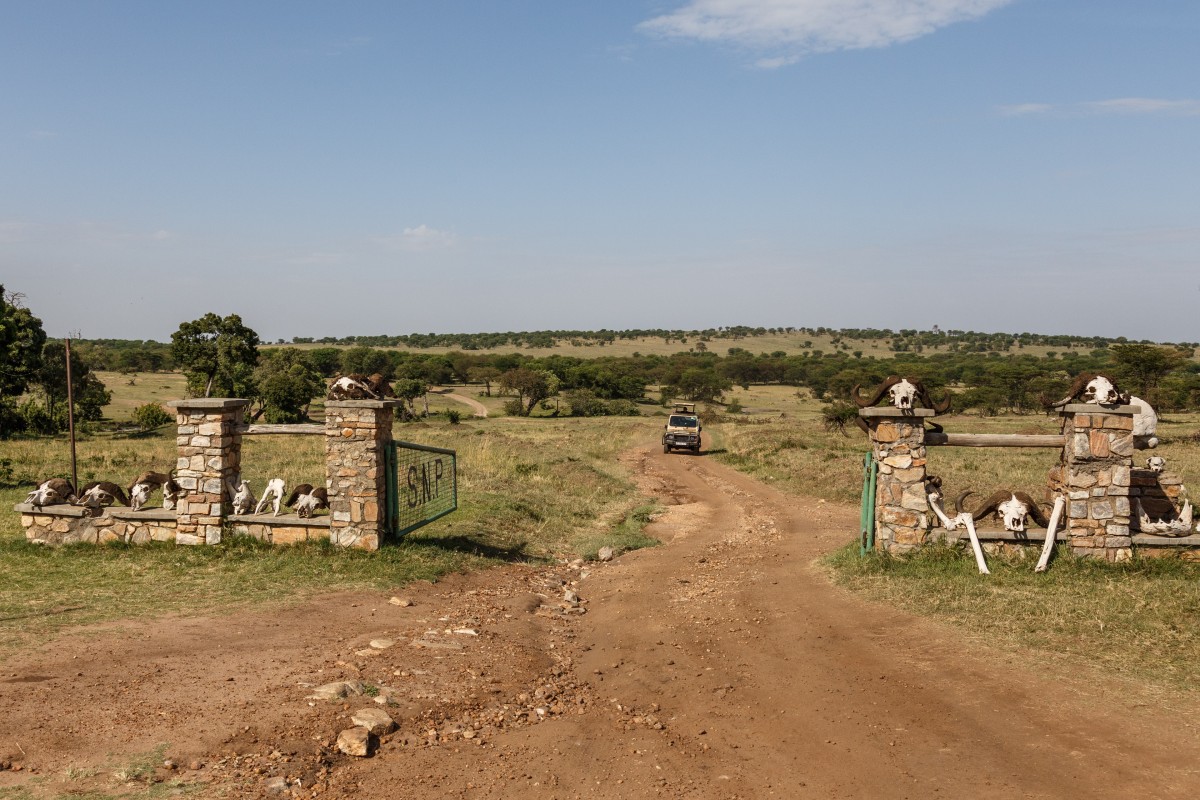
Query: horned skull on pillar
1092	388
1011	507
903	393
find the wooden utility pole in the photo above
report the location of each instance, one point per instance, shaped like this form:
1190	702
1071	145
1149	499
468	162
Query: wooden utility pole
71	417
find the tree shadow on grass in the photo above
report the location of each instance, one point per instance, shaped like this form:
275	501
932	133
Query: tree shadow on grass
514	554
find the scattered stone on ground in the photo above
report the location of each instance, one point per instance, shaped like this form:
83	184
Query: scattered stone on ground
355	742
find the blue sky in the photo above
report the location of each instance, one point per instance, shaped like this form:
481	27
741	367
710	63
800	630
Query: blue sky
469	165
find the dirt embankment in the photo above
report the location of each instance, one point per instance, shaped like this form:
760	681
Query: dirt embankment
721	665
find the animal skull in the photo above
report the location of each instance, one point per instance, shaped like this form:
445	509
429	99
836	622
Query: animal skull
243	501
43	496
903	394
1100	390
1156	463
1013	512
273	494
139	495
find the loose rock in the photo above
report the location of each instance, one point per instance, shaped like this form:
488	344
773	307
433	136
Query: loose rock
605	554
355	742
375	720
336	690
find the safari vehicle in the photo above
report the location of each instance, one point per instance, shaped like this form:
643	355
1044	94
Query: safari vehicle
682	429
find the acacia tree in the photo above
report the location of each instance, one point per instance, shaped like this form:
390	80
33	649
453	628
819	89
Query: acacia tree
287	381
532	386
1144	365
217	355
21	342
51	378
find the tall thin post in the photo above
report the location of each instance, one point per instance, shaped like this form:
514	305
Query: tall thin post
71	417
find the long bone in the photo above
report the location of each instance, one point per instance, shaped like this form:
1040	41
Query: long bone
1051	530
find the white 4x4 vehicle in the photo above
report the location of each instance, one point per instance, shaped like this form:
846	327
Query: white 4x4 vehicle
682	429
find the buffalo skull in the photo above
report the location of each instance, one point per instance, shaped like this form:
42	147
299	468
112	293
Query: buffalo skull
1012	507
1095	389
903	393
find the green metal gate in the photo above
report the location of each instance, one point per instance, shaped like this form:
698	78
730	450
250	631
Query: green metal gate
422	485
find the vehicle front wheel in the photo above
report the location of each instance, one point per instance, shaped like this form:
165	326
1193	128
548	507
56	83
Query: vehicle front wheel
666	448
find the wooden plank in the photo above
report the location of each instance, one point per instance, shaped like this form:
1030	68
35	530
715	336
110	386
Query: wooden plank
994	439
295	430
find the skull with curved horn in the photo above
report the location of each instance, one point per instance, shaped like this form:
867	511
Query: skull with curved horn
903	393
1012	507
1096	389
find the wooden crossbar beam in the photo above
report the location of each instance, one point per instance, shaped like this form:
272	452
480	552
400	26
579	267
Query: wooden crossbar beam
994	439
296	430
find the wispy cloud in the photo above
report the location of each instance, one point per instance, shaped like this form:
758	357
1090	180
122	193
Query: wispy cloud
419	238
1123	106
1023	109
1144	105
794	28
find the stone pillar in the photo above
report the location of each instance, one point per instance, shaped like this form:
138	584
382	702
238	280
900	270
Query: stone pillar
901	507
357	432
209	444
1098	455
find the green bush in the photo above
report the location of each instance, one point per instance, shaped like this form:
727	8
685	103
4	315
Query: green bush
454	415
151	416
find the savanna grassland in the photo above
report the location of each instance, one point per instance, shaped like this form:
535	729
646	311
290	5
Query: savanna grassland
542	488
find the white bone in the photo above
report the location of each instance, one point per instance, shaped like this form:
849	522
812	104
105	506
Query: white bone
1166	527
980	561
274	490
139	495
1145	424
1101	391
306	505
243	500
1013	512
1051	530
935	502
1156	463
903	393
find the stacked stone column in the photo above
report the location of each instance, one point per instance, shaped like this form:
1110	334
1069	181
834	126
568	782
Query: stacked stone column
1098	454
357	432
209	445
901	507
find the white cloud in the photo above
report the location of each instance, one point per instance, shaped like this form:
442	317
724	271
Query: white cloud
1143	105
1124	106
1022	109
798	27
419	238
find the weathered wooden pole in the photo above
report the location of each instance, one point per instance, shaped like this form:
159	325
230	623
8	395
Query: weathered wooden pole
71	418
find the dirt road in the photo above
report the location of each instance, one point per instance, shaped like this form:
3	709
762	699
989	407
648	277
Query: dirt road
721	665
478	409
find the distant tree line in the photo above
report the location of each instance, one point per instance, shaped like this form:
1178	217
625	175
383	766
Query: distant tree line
221	356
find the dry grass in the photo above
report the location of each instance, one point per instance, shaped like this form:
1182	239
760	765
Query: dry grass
529	490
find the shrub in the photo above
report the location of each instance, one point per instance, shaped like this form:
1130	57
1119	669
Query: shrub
151	416
454	415
734	406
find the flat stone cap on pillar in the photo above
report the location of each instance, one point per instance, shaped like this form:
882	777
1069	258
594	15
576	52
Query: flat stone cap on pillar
364	403
210	403
892	411
1096	408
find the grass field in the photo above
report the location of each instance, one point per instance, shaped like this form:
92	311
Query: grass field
536	489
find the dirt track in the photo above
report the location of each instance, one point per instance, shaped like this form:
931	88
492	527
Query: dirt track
722	665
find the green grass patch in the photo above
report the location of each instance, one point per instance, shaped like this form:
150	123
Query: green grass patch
1139	618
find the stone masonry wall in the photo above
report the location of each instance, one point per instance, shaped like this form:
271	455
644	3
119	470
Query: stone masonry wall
901	507
210	448
67	524
357	432
1098	453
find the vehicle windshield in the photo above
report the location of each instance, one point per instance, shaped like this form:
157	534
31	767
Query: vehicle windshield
678	421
